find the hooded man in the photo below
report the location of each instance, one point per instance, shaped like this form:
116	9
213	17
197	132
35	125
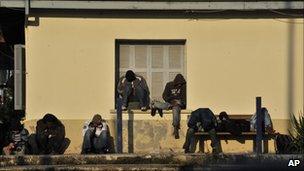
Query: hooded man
49	137
175	98
136	86
202	119
96	137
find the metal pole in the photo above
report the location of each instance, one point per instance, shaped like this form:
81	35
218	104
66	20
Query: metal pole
259	121
119	125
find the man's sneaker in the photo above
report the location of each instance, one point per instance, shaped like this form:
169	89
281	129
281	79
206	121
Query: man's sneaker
143	108
124	108
153	111
187	151
160	111
176	133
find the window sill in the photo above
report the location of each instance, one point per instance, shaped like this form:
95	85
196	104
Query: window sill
136	111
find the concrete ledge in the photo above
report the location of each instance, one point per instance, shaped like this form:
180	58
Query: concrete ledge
166	158
113	111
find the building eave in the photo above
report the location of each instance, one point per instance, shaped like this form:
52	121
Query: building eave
153	5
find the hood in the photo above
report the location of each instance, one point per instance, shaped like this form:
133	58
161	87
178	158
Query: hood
49	118
97	119
130	76
15	124
179	79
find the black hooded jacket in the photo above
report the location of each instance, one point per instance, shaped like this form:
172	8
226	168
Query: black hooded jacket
50	133
205	116
176	90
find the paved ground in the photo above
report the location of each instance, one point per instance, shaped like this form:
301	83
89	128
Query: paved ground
166	161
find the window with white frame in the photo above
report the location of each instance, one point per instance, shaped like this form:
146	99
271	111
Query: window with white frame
157	63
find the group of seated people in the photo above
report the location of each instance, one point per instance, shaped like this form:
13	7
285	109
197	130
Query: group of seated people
174	95
204	120
49	137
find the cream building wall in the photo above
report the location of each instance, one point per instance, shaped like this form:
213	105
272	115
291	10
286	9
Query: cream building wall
71	69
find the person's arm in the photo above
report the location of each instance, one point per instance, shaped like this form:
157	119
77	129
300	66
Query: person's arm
41	133
166	94
144	85
120	86
184	96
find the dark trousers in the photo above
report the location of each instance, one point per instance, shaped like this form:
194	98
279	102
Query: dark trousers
176	111
138	92
190	144
94	144
51	147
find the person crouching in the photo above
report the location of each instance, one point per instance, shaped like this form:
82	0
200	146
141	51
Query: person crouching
96	139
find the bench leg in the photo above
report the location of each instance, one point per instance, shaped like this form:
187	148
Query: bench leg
201	145
265	146
254	145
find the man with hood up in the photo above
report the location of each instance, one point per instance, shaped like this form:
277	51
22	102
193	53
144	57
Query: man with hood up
175	99
49	137
136	86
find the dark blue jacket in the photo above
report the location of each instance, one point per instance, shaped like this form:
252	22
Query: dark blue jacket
205	116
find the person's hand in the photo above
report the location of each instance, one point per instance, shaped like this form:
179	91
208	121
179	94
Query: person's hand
8	149
270	130
175	102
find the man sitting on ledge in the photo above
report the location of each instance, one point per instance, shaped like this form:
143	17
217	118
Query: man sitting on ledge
132	85
175	99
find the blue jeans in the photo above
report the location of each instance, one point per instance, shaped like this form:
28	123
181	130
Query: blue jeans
176	111
190	144
139	93
94	144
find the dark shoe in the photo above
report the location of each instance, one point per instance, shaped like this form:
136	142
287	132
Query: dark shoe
153	111
187	151
160	111
124	108
176	133
143	108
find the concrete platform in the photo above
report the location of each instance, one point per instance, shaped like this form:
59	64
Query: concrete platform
166	161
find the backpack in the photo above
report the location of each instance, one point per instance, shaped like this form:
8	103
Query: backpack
284	144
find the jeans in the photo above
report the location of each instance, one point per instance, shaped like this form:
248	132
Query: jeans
176	111
94	144
139	93
190	144
49	148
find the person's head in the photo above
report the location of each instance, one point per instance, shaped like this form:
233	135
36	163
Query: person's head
179	79
15	125
49	119
264	110
130	76
97	119
223	116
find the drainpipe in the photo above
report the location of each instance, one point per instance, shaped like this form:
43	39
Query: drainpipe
27	11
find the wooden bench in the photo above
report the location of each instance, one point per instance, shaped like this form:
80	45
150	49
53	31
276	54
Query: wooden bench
201	137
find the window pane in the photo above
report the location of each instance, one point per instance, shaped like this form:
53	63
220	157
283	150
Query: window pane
157	85
124	56
140	56
157	56
172	75
144	74
175	57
